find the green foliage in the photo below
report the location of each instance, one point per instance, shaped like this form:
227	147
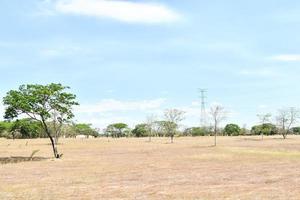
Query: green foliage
39	101
196	131
169	128
296	130
232	130
42	103
85	129
120	126
265	129
5	128
117	130
25	128
140	130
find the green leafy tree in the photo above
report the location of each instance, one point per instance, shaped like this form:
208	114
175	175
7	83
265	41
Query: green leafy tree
117	129
5	128
264	129
85	129
26	128
140	130
232	130
296	130
196	131
43	103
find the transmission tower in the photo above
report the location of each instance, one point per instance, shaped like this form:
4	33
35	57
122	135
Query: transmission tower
203	108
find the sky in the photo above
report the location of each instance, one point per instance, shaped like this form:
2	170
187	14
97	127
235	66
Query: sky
129	59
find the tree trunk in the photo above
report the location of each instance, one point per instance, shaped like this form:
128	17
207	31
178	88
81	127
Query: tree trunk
215	138
56	140
215	133
55	152
172	136
284	135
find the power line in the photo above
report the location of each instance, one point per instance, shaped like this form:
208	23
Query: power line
203	107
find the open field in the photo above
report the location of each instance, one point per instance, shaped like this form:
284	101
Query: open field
239	168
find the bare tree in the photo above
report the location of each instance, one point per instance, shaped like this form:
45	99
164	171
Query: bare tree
286	118
150	121
172	117
218	114
263	119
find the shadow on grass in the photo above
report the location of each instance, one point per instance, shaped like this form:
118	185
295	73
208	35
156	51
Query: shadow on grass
265	139
18	159
251	139
204	146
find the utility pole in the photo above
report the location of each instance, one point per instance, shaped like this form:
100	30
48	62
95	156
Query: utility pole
203	108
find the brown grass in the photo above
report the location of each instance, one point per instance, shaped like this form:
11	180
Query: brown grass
238	168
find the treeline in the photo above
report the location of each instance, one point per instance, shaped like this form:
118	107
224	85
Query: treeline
159	129
29	128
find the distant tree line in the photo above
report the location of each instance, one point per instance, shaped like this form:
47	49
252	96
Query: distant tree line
28	128
159	130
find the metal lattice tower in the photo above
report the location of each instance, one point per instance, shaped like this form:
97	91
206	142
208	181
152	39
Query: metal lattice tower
203	108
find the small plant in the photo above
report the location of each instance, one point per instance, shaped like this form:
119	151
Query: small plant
33	153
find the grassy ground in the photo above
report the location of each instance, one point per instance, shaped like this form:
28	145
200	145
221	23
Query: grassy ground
238	168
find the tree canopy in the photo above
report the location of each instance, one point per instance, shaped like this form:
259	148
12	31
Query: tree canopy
41	103
265	129
232	130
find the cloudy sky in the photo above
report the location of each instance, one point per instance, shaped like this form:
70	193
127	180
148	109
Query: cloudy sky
129	59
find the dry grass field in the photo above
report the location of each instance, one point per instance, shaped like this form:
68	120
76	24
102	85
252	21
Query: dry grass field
239	168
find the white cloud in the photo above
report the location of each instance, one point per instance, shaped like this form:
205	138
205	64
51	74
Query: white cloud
286	57
60	51
261	72
111	105
125	11
110	111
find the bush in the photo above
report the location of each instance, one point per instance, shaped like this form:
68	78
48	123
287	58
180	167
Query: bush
265	129
296	130
232	130
196	131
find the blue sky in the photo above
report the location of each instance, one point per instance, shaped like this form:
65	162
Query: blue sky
126	60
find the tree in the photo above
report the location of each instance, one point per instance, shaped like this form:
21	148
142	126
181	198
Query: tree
286	118
264	129
264	119
172	117
232	130
43	103
150	122
85	129
140	130
5	128
116	130
296	130
158	129
196	131
218	114
27	128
